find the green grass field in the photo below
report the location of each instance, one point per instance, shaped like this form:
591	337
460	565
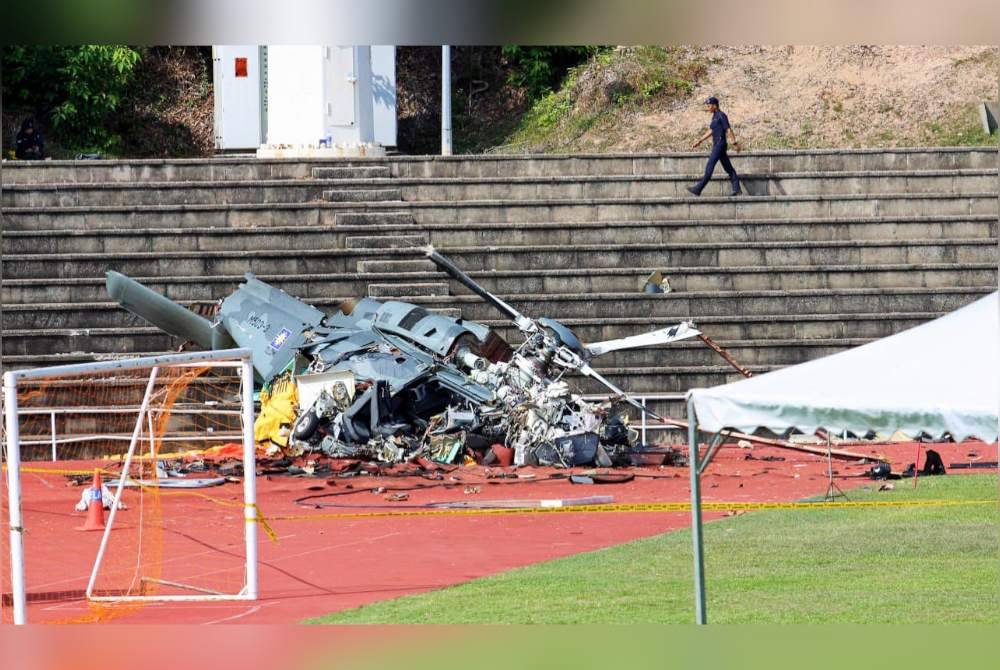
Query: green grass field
885	565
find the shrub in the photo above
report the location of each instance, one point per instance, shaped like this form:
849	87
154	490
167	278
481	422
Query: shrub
540	69
78	88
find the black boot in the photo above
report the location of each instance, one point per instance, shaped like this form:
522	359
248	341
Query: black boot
693	191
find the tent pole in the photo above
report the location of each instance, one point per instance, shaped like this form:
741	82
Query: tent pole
713	447
699	556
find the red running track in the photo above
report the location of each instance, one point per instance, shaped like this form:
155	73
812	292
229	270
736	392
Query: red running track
320	566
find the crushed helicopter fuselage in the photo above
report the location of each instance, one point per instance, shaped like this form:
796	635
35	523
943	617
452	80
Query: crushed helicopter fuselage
390	381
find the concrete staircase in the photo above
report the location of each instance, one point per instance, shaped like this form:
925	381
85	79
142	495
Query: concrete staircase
829	250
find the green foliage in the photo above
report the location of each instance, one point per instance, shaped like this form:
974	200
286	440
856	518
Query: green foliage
548	111
541	69
600	96
78	88
959	126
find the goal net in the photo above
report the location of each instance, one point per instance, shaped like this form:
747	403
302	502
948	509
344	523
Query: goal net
171	439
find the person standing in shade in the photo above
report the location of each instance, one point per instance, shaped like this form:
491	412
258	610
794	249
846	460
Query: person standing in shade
28	143
719	128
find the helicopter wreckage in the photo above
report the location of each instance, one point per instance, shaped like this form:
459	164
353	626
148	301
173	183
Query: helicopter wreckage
391	381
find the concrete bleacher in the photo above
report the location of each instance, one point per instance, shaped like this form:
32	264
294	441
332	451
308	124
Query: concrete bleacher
829	250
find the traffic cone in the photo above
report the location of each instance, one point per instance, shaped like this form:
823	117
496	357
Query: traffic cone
95	506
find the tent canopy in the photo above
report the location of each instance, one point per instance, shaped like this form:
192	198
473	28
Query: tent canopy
942	376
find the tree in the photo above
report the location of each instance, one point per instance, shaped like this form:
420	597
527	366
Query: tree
77	88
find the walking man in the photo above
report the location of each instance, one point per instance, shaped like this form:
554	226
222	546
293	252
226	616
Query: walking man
718	129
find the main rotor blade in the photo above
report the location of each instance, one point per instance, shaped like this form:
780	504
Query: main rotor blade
449	268
681	331
594	374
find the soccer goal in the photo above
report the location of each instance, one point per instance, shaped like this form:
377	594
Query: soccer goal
171	438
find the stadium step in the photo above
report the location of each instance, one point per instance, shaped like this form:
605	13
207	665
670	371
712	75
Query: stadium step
669	306
352	172
579	257
497	188
688	353
497	165
516	211
388	241
597	280
763	329
374	219
406	291
193	193
363	194
486	235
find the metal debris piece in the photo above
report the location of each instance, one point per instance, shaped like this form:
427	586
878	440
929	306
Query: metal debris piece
726	356
525	504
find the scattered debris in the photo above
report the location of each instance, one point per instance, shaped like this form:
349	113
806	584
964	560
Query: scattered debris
389	382
881	471
751	457
525	504
397	497
933	465
970	465
106	497
201	483
726	356
656	283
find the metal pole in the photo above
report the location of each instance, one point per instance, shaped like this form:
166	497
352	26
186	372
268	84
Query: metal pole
126	465
194	359
643	422
152	443
249	478
699	550
52	427
446	100
14	498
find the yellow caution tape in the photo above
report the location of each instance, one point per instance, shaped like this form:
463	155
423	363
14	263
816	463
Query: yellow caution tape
637	507
259	517
56	471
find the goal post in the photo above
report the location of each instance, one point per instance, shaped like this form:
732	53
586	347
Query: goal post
191	403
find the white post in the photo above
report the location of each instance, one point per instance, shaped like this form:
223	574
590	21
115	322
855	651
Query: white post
446	100
52	427
643	429
699	549
143	409
14	499
249	477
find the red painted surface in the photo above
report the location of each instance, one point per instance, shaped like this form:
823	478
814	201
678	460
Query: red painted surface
319	566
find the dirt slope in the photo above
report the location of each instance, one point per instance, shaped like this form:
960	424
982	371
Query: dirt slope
776	97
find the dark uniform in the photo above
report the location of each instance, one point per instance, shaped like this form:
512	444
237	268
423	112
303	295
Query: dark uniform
28	144
719	125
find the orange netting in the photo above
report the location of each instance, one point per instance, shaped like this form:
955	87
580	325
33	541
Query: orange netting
164	540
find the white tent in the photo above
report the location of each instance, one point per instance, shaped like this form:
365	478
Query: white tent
942	376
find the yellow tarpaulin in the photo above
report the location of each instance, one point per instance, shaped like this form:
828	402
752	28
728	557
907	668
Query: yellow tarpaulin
278	410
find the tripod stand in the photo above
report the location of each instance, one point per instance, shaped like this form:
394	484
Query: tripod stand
832	490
